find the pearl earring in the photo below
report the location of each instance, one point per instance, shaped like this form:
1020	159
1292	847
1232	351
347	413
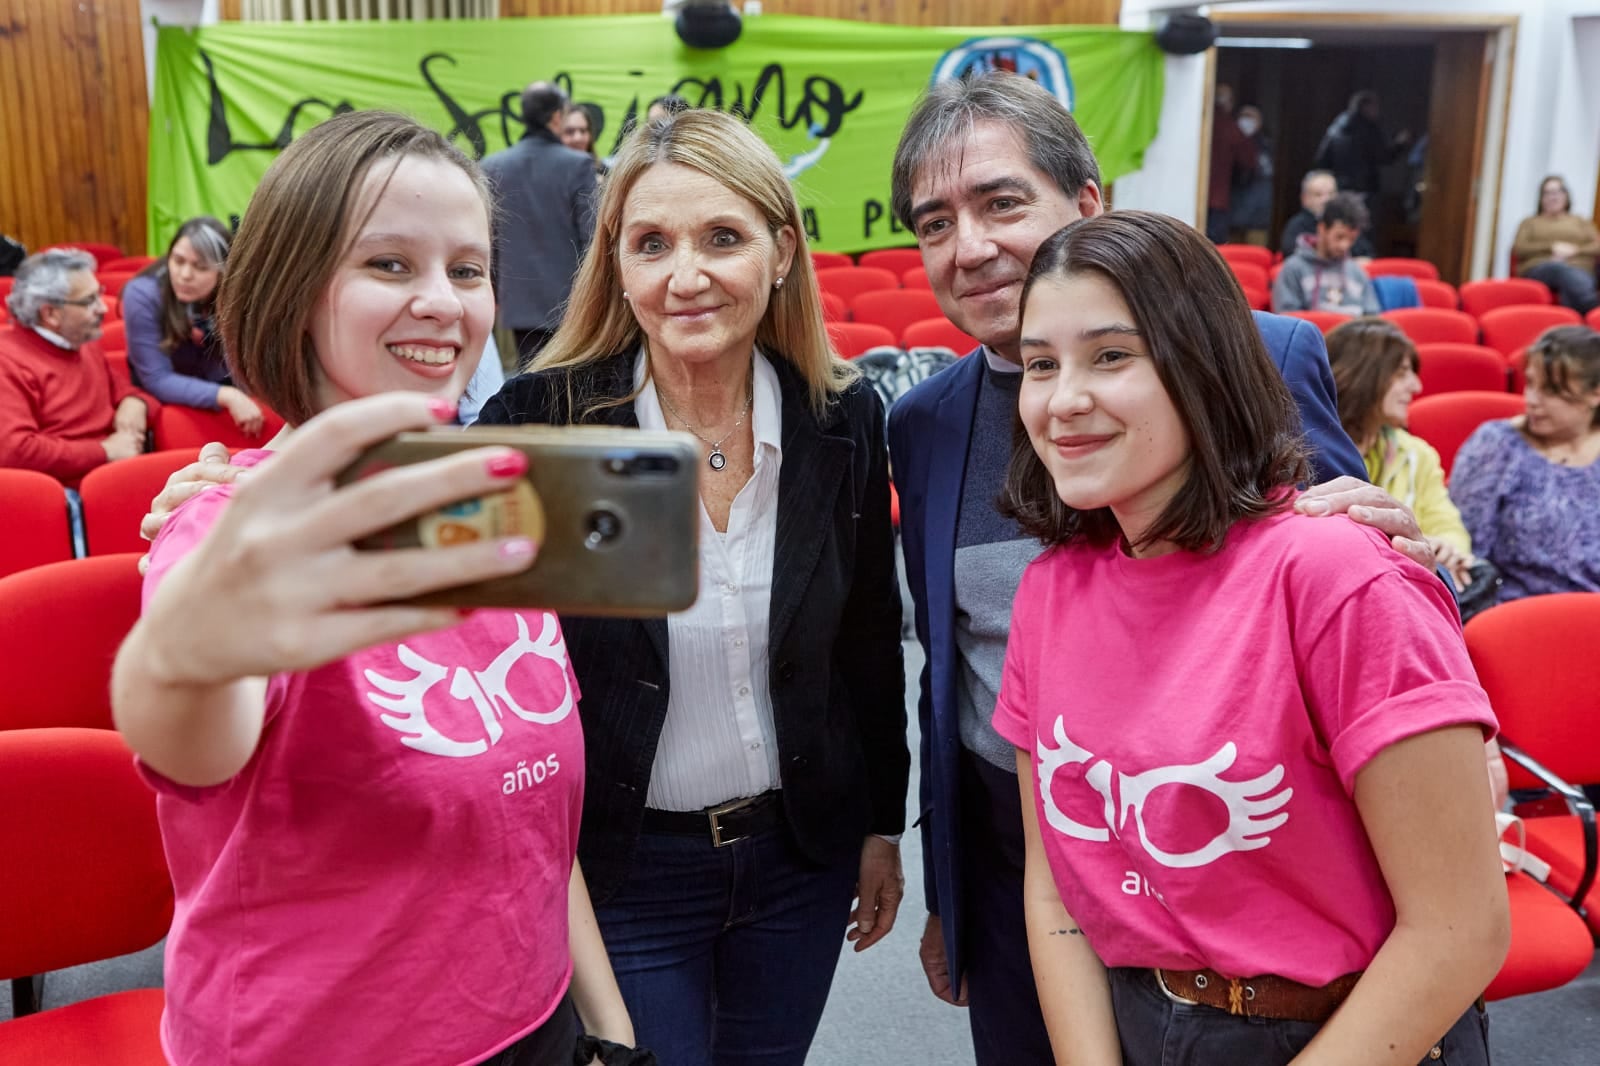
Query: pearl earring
778	284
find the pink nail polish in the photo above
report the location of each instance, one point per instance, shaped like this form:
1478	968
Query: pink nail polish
443	410
506	464
516	549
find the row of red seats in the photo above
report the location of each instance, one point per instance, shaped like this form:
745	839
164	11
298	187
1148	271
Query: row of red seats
1504	329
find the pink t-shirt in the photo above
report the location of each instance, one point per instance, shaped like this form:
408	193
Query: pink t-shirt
1197	723
385	881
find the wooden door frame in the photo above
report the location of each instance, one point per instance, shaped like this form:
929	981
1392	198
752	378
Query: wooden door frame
1505	25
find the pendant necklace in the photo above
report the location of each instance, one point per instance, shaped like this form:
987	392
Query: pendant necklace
716	460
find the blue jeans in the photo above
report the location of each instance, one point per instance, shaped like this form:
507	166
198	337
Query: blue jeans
725	955
1155	1031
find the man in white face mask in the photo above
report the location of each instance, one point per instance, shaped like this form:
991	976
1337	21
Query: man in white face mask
1251	209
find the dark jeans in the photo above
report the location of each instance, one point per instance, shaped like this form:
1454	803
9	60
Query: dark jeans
1572	287
552	1044
725	955
1002	1002
1155	1031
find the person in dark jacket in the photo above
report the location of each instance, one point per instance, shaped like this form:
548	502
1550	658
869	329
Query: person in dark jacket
1316	189
1355	148
545	195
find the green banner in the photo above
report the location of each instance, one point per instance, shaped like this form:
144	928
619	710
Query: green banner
829	96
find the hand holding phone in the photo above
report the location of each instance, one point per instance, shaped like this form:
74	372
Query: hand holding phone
615	512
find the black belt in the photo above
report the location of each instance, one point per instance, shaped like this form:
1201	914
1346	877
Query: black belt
723	823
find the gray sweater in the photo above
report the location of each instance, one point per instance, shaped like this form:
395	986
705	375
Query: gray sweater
1310	283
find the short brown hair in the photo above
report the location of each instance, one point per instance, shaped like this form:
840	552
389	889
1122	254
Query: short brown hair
300	220
1366	354
1243	427
1569	361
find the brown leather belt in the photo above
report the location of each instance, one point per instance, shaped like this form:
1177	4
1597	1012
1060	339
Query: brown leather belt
1266	996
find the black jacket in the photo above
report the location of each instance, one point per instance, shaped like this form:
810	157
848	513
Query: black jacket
1303	222
836	671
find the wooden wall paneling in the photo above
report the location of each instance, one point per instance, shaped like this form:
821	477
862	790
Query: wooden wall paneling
74	121
1458	108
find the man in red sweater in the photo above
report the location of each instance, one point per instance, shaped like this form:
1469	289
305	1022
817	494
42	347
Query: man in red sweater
62	411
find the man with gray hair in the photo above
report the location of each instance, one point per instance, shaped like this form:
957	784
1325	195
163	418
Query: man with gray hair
544	218
62	411
988	168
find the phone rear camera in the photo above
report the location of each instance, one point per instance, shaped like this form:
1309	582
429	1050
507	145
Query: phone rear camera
656	464
604	527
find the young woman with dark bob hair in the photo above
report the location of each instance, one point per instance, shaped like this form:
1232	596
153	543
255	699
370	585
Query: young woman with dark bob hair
1250	744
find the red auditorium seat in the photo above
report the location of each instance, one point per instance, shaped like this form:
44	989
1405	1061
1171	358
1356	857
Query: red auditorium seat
1412	268
61	625
895	309
1326	321
117	496
1258	299
86	882
834	308
938	333
851	339
1538	658
134	263
1461	368
1505	329
850	282
113	337
895	260
1480	296
1253	254
1593	318
1517	364
103	253
1446	421
1550	945
916	278
37	530
1431	325
1250	275
113	283
1437	294
190	427
830	260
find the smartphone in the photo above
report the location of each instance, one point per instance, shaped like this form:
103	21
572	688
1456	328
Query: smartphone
616	513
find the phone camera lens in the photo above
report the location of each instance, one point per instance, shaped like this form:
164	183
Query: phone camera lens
658	464
604	527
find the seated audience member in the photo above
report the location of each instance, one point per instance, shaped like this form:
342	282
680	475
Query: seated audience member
1559	248
1529	487
1323	883
62	411
1375	369
665	107
1321	276
326	810
1316	189
169	312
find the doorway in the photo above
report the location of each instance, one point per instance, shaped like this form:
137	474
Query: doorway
1434	85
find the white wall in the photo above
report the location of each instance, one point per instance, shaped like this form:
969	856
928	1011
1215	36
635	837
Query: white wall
170	13
1553	124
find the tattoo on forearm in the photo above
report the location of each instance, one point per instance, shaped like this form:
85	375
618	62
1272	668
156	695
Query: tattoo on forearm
1074	931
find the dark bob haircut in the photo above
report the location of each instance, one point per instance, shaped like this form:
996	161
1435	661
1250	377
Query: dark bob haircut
1245	442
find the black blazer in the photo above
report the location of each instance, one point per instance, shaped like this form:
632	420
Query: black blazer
835	665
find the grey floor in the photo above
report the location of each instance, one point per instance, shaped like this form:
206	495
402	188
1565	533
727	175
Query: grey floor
881	1011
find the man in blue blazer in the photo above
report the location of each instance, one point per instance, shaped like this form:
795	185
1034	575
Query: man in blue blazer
987	168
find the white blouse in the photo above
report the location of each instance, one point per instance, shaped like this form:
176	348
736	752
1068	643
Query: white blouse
719	742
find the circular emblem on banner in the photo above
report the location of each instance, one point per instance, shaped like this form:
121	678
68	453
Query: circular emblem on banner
1037	60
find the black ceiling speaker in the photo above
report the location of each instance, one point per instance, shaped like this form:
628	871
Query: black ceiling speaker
708	23
1184	35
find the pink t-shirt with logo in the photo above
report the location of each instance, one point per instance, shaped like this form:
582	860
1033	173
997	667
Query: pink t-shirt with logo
1197	723
385	882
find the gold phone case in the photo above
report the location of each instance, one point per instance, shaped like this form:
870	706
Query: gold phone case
616	513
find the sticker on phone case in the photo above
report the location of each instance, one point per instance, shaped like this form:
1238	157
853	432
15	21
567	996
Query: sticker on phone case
512	513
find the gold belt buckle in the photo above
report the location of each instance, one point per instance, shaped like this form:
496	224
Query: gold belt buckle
714	814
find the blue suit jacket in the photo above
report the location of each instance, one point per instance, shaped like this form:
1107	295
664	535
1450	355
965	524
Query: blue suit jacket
929	430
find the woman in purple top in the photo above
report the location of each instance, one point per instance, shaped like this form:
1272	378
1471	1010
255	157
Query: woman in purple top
173	352
1529	488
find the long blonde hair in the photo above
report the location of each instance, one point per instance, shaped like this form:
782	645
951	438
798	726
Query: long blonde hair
599	324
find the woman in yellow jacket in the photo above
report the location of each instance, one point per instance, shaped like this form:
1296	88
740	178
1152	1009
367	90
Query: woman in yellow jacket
1375	369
